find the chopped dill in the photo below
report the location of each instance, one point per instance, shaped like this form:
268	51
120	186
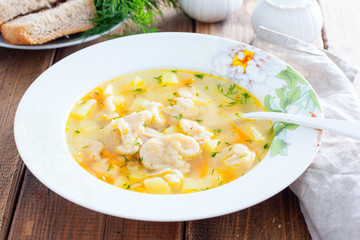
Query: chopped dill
266	146
212	171
227	143
96	93
77	131
249	140
86	146
140	159
109	167
199	120
244	155
199	75
233	94
179	117
158	79
206	88
217	131
214	154
174	71
139	90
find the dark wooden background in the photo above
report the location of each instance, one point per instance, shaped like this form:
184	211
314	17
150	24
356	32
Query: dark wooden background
29	210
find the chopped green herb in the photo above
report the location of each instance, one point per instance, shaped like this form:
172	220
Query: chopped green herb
188	85
249	140
164	85
218	143
128	187
158	79
197	94
227	143
175	94
199	120
139	90
109	167
217	131
82	102
86	146
102	128
206	88
244	155
220	183
237	115
96	93
266	146
137	143
233	94
77	131
199	75
174	71
179	117
214	154
230	148
140	159
212	172
221	106
126	161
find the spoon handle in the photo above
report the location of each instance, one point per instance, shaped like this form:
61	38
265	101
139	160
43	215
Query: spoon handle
346	128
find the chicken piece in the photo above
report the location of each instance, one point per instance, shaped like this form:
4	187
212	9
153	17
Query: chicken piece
198	132
155	109
171	151
130	128
239	156
92	149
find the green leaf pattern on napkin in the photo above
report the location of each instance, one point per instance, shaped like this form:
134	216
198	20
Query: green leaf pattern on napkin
293	98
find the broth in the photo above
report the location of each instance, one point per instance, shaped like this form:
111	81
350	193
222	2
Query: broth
167	131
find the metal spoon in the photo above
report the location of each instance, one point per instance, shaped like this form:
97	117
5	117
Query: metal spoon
346	128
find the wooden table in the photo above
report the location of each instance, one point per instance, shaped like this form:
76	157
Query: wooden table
29	210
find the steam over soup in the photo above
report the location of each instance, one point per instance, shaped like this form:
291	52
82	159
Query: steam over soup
167	132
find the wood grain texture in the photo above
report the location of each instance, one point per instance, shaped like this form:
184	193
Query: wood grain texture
17	72
276	218
342	31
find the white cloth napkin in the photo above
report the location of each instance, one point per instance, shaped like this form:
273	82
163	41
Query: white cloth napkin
329	190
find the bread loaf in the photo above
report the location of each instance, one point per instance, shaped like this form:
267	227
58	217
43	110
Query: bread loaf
13	8
66	18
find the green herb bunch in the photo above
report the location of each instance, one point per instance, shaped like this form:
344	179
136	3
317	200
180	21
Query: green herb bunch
138	16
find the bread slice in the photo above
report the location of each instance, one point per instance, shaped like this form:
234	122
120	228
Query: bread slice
67	18
13	8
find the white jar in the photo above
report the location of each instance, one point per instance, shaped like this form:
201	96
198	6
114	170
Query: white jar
210	10
297	18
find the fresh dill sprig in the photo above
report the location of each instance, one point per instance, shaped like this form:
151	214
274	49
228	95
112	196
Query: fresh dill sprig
232	94
138	16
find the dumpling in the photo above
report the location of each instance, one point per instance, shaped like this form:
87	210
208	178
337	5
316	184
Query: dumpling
171	151
193	129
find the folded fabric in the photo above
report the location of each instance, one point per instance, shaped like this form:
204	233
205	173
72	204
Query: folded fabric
329	190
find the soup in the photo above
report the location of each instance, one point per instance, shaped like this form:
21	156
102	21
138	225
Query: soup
167	132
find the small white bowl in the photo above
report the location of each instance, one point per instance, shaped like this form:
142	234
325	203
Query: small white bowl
41	117
210	10
297	18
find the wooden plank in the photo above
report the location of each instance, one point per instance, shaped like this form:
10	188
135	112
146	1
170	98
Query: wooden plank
13	84
342	31
42	214
276	218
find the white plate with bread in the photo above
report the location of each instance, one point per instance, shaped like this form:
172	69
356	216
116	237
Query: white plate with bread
45	24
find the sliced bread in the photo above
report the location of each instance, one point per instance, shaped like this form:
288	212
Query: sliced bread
67	18
13	8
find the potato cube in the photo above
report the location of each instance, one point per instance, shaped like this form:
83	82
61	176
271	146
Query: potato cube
199	184
157	185
169	78
82	110
257	136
